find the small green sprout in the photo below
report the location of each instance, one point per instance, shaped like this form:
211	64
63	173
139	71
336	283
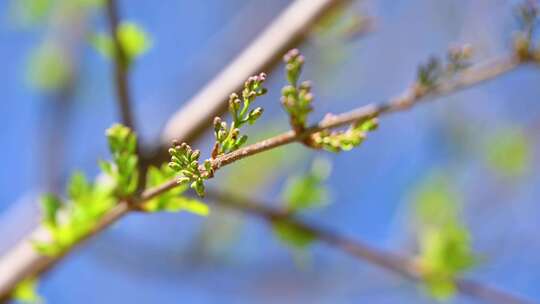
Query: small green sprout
293	235
296	99
309	190
430	75
25	292
444	241
228	138
527	17
67	222
124	167
337	141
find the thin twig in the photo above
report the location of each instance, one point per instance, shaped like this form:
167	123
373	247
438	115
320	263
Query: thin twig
393	262
120	67
32	263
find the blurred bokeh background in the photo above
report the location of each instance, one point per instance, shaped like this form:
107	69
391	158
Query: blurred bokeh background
481	144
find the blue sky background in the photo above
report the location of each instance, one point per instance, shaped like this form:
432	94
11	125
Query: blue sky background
229	258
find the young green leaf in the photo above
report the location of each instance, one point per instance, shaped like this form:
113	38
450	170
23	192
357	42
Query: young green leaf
50	205
25	292
48	67
293	235
133	39
308	191
172	200
124	168
445	243
508	152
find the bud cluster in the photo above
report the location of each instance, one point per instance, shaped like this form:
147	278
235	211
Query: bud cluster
296	98
185	161
338	141
527	16
227	136
429	75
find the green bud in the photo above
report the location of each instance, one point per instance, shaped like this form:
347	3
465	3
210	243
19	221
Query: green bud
182	180
195	155
175	166
208	165
198	186
217	124
255	114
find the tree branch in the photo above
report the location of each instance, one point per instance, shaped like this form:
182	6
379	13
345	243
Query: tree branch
393	262
120	67
30	263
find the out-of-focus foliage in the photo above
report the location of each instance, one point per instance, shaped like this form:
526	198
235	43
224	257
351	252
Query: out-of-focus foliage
302	193
123	169
445	243
508	152
293	235
132	38
25	292
48	68
87	202
68	222
342	22
308	190
171	201
335	37
31	13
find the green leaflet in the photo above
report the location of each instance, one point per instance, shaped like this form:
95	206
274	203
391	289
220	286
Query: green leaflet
171	201
123	170
25	292
308	191
87	202
134	41
293	235
68	222
444	242
48	69
508	152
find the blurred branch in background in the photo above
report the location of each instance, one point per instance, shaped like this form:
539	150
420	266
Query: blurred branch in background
121	66
399	264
